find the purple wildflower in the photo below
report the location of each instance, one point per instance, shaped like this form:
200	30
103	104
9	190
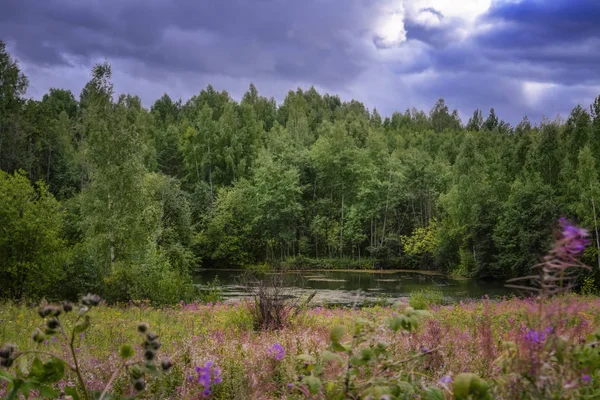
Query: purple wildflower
208	375
575	238
277	352
534	336
446	379
586	378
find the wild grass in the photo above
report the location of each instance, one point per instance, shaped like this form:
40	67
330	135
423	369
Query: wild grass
469	337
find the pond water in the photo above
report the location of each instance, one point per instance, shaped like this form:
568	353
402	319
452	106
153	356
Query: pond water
347	287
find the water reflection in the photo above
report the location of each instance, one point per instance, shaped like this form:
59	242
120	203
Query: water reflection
342	286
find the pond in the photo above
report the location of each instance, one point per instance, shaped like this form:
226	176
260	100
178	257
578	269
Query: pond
350	286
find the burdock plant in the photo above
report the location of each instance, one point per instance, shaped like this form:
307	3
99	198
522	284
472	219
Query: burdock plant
65	323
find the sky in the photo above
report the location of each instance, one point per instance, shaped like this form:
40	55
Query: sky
530	58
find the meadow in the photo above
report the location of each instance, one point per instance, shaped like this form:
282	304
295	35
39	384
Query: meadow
246	362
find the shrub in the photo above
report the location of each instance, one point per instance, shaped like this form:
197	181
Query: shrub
33	255
423	299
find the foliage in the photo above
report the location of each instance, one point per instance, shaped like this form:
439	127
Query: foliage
33	255
33	374
423	299
152	193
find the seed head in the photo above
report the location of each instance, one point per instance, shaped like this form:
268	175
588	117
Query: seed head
45	311
139	384
38	336
7	350
91	299
6	362
142	327
67	306
149	355
52	323
166	365
136	372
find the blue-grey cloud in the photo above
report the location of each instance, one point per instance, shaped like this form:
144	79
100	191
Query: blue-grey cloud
183	45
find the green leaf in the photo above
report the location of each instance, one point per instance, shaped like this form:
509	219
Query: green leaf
366	353
22	363
395	324
328	356
5	376
434	393
313	383
16	386
81	326
340	347
126	351
306	358
71	391
37	368
48	393
51	371
337	333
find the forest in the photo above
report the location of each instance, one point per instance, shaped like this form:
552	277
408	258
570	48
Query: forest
100	194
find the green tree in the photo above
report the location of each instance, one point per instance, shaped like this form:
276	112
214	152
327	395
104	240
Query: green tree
33	255
524	230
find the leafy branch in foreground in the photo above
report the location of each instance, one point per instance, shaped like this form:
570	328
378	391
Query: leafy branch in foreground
66	322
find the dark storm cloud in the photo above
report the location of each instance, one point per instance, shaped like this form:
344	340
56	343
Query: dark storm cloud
183	45
553	42
557	41
307	40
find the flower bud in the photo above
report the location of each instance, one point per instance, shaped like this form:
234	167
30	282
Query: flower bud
166	365
52	323
67	306
155	345
91	299
6	362
139	384
7	351
45	311
142	327
135	371
55	311
149	355
38	336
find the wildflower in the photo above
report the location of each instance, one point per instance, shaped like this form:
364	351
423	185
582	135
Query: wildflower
277	352
208	376
586	378
534	336
575	238
446	379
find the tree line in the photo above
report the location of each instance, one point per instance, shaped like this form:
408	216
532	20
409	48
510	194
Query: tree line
101	194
